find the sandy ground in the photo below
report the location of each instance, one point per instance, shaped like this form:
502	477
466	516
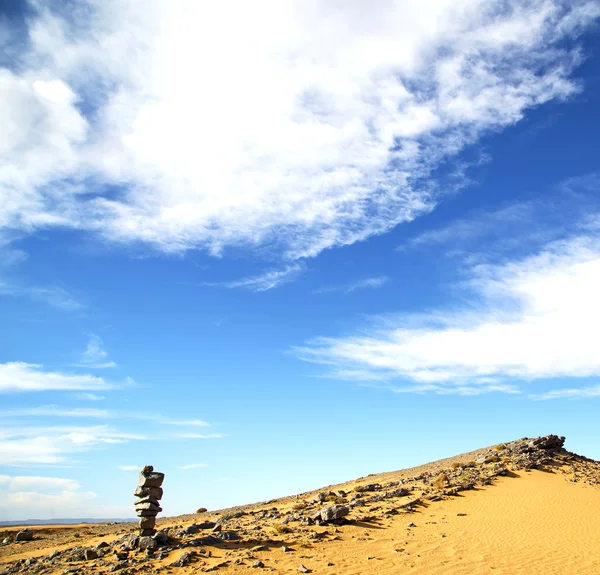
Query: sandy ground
529	522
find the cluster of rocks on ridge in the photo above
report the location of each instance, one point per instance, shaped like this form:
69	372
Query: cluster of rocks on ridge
295	524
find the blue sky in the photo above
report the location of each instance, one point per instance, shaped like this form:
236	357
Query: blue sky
270	248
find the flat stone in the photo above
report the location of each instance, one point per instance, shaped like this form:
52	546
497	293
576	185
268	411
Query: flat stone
147	499
150	479
147	522
155	492
148	505
147	512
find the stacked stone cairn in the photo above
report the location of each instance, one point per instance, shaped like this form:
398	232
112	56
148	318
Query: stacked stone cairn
149	492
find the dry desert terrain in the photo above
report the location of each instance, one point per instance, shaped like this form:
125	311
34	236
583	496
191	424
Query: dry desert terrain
524	507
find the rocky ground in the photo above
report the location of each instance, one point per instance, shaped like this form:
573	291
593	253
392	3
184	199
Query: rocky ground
276	534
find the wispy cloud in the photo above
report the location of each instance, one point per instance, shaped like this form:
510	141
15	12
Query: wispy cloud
129	467
193	466
89	396
263	282
23	377
95	356
54	296
51	498
365	283
564	210
313	159
529	319
52	445
187	435
91	413
572	393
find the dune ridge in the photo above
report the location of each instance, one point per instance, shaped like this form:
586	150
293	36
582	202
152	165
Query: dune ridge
526	506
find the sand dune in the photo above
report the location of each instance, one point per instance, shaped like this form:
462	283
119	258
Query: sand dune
497	510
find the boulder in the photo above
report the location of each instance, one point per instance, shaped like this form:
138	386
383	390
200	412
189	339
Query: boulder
162	537
25	535
334	512
90	554
147	543
129	542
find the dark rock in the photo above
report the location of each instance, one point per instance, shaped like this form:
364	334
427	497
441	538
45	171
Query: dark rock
402	492
258	565
25	535
185	559
147	543
147	532
195	527
229	536
369	487
129	542
162	537
90	554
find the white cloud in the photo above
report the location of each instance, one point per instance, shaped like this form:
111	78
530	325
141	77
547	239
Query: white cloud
95	356
572	393
54	296
89	396
129	467
20	482
92	413
187	435
193	466
21	377
297	125
265	281
56	411
30	497
366	283
54	445
528	319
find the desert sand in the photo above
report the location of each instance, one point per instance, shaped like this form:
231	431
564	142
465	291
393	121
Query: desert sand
519	507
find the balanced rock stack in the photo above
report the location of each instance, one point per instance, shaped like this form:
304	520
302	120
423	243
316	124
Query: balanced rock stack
150	492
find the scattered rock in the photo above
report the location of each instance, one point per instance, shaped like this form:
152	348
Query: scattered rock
129	542
258	565
147	543
25	535
303	569
185	559
90	554
334	512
